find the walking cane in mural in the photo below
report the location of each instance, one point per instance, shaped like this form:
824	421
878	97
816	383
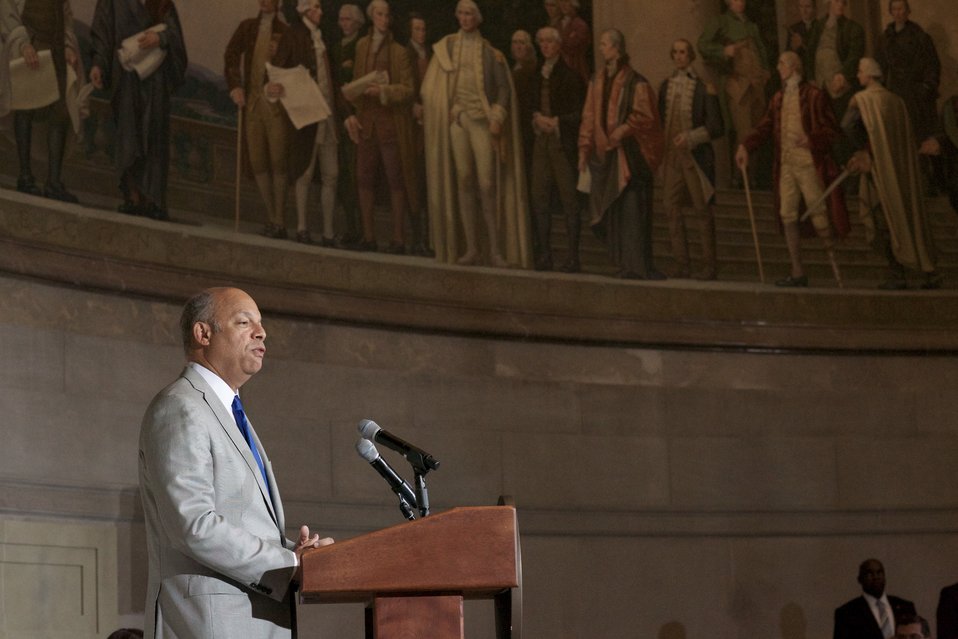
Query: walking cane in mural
239	165
751	219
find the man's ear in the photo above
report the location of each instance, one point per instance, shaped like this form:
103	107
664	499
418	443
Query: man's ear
202	333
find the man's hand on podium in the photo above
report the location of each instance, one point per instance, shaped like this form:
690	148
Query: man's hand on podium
306	542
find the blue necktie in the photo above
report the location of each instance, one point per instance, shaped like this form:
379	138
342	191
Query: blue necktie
240	416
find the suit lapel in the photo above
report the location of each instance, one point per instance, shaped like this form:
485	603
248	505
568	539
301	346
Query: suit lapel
228	424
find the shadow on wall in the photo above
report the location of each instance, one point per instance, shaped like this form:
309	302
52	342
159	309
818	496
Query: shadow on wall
792	622
672	630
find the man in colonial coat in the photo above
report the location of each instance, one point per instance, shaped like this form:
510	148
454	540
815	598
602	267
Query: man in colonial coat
342	56
557	95
732	46
802	125
692	118
892	206
576	37
419	55
263	122
474	149
798	31
314	144
141	106
382	128
943	145
833	49
621	145
26	28
908	57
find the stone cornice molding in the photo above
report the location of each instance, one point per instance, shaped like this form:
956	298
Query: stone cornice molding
100	250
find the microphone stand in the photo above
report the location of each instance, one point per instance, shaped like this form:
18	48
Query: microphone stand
406	508
422	497
421	464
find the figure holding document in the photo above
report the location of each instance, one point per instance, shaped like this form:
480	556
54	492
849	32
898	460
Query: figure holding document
141	104
41	34
382	126
264	125
302	45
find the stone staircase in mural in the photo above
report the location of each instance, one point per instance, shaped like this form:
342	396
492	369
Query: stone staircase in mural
861	266
202	193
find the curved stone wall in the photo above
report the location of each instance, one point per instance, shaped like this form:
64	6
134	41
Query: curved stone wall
722	491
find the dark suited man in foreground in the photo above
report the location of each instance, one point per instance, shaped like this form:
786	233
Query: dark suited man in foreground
220	564
946	617
874	614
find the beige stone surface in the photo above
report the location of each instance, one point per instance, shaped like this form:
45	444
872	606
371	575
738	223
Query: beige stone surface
622	410
781	473
627	587
898	472
57	582
124	369
586	472
39	354
648	480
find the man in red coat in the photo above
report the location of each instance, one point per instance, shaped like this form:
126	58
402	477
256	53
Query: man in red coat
576	37
621	145
382	127
801	123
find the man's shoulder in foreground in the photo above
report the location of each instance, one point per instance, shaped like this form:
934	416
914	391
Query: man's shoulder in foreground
851	604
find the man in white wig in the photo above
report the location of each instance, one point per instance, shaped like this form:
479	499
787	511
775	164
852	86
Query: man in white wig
474	149
892	206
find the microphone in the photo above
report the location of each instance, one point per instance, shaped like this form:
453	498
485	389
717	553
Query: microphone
420	459
368	451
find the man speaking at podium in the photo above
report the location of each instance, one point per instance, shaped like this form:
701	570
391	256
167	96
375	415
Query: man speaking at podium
220	564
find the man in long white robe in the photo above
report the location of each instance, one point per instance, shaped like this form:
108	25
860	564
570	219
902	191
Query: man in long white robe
892	206
474	150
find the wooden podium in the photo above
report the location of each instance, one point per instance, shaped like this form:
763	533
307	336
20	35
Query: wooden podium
415	576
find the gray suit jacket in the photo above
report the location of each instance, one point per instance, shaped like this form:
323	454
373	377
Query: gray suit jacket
219	561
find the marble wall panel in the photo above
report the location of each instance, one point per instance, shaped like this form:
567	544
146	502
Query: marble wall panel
121	369
584	472
301	453
623	410
784	473
619	587
496	404
51	438
746	413
337	394
408	352
905	472
34	357
578	364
